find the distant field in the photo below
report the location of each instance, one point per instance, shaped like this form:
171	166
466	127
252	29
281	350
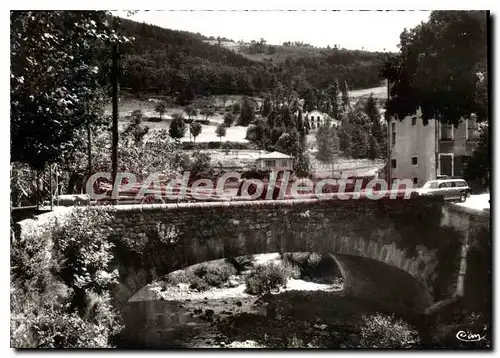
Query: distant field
280	55
378	92
233	134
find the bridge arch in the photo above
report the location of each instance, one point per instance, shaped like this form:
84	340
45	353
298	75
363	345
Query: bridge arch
364	236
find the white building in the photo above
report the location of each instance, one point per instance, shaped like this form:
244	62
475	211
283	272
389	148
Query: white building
317	118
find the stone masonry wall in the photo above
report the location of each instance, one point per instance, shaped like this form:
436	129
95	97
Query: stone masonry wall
153	240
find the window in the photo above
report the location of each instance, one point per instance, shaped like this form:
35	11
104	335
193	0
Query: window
284	163
415	181
471	128
445	164
270	163
444	185
431	185
393	163
414	160
393	134
460	184
446	132
413	121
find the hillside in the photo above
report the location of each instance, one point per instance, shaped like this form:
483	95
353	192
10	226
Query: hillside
184	65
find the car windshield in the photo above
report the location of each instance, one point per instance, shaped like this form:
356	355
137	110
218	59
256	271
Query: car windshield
431	185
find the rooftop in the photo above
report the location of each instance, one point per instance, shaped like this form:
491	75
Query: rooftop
275	155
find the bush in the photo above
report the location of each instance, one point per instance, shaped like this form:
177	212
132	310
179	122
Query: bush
215	276
203	277
154	119
60	282
381	331
254	173
218	145
269	277
307	262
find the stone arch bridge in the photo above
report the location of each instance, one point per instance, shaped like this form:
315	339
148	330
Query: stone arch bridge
409	255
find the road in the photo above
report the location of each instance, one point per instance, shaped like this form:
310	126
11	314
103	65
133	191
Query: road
479	202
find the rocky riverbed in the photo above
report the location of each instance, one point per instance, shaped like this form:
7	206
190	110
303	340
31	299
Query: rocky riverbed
310	310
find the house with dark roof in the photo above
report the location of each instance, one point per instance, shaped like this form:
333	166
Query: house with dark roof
274	161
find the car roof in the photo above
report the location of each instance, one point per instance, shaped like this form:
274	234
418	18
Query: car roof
446	180
449	180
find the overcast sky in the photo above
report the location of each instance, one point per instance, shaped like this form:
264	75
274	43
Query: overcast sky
371	30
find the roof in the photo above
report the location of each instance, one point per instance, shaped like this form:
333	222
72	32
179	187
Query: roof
275	155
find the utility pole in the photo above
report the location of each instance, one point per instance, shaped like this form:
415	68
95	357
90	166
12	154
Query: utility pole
114	82
89	149
389	138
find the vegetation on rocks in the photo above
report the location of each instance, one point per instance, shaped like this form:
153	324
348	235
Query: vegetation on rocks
270	277
203	277
380	331
60	285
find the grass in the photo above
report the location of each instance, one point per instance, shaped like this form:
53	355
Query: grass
270	277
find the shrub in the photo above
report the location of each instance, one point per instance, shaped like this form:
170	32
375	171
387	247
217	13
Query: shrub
203	277
269	277
154	119
215	275
255	173
307	262
60	282
381	331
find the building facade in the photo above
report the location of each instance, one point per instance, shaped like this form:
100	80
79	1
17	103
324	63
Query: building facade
275	161
317	118
424	152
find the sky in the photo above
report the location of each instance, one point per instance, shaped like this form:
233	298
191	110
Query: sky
369	30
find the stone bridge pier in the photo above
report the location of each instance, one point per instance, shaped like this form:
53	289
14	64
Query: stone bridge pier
410	256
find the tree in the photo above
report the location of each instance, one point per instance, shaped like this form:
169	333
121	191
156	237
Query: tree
220	131
378	137
236	107
333	95
207	112
177	127
161	109
287	117
266	106
345	96
289	143
441	68
225	98
302	165
247	113
228	119
134	129
327	142
195	129
191	111
477	168
57	80
300	123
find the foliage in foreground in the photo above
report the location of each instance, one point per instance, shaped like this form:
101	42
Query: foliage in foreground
270	277
60	285
381	331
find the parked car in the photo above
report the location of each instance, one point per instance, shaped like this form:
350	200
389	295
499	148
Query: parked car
450	189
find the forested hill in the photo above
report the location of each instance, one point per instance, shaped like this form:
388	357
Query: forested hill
181	63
